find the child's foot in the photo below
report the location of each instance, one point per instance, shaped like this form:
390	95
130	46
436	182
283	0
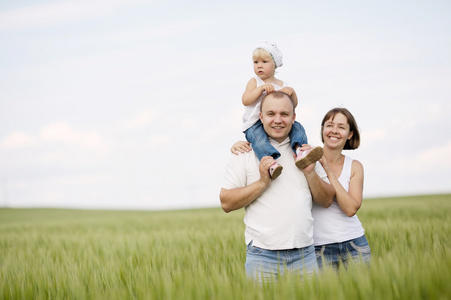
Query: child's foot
275	170
304	158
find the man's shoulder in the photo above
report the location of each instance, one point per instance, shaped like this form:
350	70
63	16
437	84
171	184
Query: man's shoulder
241	170
247	162
243	157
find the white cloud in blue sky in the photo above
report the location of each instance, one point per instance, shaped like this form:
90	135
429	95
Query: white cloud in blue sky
135	104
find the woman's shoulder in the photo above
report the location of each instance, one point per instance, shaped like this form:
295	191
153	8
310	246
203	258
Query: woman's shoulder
356	166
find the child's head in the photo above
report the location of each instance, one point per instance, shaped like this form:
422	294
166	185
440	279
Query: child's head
266	50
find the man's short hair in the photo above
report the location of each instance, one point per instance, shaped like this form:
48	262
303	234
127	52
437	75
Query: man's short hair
278	95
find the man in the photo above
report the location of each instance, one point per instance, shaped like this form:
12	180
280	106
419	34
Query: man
279	233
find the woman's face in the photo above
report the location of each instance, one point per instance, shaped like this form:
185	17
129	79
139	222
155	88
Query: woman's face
336	131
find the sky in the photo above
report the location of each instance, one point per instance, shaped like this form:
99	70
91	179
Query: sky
134	104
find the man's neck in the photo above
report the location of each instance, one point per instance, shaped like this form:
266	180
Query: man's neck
280	141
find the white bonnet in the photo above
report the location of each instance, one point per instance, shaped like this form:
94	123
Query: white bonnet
273	50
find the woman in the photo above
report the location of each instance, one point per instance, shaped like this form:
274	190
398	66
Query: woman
337	232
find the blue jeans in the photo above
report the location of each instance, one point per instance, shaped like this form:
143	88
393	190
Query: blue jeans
353	250
257	136
266	265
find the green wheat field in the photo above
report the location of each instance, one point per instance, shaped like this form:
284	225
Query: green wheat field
200	254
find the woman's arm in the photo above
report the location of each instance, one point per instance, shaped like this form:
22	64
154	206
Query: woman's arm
349	202
322	192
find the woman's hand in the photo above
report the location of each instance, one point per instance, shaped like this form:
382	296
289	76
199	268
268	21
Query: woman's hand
241	147
323	162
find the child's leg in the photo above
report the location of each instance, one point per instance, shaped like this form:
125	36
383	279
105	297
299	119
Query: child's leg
259	140
297	136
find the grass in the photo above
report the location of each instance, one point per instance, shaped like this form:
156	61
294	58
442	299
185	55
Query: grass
200	254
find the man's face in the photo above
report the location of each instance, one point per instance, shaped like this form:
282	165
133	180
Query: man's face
277	117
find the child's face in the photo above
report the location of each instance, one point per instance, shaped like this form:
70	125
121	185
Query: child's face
264	66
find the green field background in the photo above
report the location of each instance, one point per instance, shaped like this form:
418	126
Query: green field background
200	254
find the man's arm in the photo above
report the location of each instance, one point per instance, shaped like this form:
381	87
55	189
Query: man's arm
233	199
322	192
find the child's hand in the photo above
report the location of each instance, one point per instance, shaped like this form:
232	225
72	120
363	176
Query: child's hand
240	147
290	92
268	88
287	90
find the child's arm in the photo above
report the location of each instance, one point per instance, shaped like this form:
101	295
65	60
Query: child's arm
241	147
252	92
290	91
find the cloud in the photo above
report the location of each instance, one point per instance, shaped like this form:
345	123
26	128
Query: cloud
60	133
63	133
374	135
84	179
306	112
59	12
436	158
161	140
17	139
160	31
229	123
141	120
189	123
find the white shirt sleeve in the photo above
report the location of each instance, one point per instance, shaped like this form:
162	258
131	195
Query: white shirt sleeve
321	172
235	172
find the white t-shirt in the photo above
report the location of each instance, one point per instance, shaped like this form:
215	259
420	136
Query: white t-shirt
281	217
252	112
332	225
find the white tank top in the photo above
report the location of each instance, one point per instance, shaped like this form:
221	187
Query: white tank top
332	225
252	112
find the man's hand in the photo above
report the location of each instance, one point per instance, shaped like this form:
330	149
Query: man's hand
309	169
322	192
263	167
233	199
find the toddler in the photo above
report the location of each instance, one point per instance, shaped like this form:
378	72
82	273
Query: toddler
267	57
